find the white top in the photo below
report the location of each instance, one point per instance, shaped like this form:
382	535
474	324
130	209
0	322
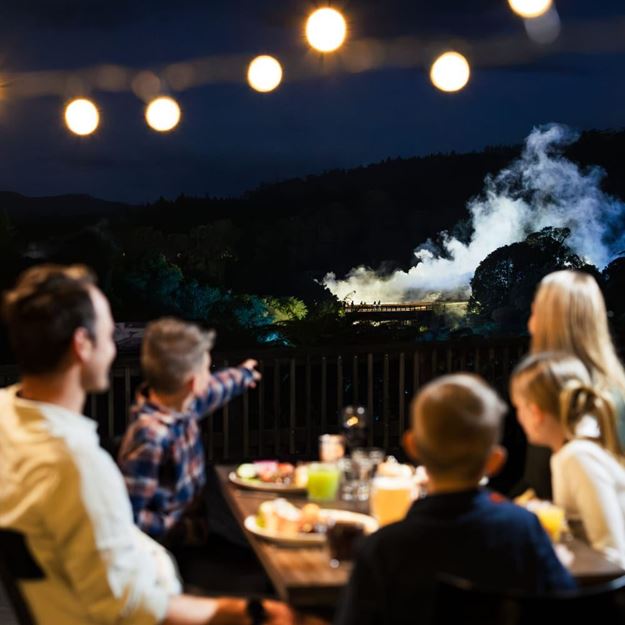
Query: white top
67	496
589	483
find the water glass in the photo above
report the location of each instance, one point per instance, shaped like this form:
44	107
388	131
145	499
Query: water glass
367	460
350	479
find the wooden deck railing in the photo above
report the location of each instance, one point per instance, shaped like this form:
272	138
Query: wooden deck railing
303	391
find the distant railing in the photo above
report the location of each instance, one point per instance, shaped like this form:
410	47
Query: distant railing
303	391
386	308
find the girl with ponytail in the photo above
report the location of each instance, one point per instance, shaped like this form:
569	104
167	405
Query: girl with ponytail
560	407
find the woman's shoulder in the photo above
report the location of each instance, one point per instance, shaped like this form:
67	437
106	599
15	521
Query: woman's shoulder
587	455
582	447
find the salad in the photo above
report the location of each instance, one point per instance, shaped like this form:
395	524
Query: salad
272	472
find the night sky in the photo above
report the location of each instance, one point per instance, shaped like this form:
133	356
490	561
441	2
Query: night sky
323	116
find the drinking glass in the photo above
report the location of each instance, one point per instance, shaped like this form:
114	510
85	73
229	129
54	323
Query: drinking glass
323	481
331	447
390	498
350	479
552	518
342	538
367	460
355	423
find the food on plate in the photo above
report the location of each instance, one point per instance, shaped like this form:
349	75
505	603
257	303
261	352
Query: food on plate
246	471
301	476
267	471
282	517
524	498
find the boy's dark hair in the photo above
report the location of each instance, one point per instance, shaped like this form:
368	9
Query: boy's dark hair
456	421
171	352
43	311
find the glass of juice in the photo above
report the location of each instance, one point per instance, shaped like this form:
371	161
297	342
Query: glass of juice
323	481
552	518
390	498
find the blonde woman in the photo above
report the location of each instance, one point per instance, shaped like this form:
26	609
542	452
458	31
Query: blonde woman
569	315
559	407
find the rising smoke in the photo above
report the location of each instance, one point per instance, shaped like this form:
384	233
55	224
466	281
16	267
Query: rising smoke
540	189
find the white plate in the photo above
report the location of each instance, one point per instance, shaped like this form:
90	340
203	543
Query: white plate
303	540
266	487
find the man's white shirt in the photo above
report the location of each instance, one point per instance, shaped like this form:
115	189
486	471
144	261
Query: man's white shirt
67	496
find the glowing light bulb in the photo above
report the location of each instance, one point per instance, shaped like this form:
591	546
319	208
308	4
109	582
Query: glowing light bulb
530	8
163	114
82	117
264	73
450	72
326	30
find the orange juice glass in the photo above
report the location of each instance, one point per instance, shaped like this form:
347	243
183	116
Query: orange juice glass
552	519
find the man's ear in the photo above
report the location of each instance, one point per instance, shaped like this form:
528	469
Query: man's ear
410	446
496	460
82	345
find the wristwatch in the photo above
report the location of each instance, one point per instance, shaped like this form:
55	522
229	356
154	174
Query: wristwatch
256	611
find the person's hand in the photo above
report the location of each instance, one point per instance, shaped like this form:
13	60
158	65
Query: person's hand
307	619
231	611
250	364
279	613
282	614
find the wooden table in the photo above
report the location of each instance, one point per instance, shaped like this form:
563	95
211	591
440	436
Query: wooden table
303	577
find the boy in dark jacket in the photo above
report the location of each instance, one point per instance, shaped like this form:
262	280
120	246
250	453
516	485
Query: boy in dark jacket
458	529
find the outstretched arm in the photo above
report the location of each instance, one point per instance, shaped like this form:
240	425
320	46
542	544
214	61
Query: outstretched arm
225	385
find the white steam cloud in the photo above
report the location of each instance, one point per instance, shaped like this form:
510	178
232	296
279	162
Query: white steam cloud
538	190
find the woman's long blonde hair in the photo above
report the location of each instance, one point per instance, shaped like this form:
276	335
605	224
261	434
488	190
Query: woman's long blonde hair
560	385
569	315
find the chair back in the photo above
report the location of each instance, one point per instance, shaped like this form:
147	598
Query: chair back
458	601
17	564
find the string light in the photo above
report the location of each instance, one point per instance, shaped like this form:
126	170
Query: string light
326	30
264	73
530	9
163	114
82	117
450	72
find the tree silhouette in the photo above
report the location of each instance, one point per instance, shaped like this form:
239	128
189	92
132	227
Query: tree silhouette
614	280
505	281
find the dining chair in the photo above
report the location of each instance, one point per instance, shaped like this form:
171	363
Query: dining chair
17	564
459	602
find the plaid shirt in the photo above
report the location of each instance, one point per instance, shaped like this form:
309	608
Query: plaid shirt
162	455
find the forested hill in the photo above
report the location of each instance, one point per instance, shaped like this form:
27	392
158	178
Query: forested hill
278	238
